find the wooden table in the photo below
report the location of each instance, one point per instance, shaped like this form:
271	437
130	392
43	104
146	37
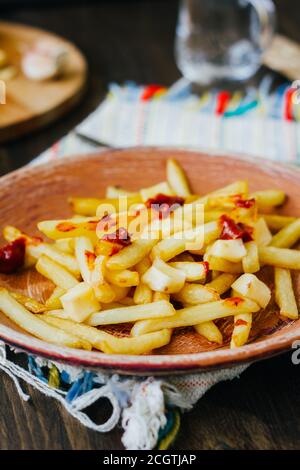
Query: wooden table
261	410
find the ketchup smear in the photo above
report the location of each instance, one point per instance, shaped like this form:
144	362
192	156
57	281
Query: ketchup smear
120	236
164	204
244	203
12	256
232	230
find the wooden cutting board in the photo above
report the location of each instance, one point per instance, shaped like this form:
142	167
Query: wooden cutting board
31	104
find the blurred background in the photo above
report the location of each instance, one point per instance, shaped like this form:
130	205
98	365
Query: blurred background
121	40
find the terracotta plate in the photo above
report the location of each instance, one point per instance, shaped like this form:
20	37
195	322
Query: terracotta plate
32	194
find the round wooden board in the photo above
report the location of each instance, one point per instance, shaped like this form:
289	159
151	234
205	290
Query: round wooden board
31	104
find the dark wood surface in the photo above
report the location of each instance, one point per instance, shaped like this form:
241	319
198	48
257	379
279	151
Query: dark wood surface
134	41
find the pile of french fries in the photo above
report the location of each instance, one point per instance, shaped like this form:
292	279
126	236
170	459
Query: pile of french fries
132	257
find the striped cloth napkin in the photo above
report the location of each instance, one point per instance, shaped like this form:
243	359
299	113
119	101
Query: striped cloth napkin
262	122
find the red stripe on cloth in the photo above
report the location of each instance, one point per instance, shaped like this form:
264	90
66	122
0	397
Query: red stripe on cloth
288	105
149	91
223	99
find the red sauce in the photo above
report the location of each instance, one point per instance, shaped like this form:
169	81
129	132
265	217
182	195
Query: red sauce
120	237
233	231
206	266
90	258
240	322
234	301
106	223
164	204
65	226
244	203
12	256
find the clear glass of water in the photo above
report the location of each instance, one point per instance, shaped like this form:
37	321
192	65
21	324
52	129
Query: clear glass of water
220	40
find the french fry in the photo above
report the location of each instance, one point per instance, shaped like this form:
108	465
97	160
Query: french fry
56	273
262	234
287	236
222	283
161	277
241	330
143	293
251	260
84	252
210	331
66	245
230	250
284	294
157	296
279	257
120	293
86	206
219	264
88	333
139	345
116	191
80	301
194	294
277	222
177	178
34	325
31	304
249	286
124	278
57	313
192	316
131	314
53	302
69	228
269	198
194	271
152	191
130	255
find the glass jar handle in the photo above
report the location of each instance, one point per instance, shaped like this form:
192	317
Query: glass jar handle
265	10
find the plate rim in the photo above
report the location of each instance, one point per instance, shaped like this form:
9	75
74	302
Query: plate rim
155	364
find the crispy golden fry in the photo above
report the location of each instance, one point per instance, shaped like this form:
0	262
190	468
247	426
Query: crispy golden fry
139	345
284	294
142	294
84	252
70	228
262	234
132	313
86	206
157	296
57	313
88	333
152	191
210	331
241	330
249	286
161	277
130	255
124	278
279	257
31	304
66	245
56	273
230	250
53	302
269	198
116	191
192	316
287	236
277	222
177	178
194	271
238	187
222	283
219	264
33	324
251	260
80	301
194	294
